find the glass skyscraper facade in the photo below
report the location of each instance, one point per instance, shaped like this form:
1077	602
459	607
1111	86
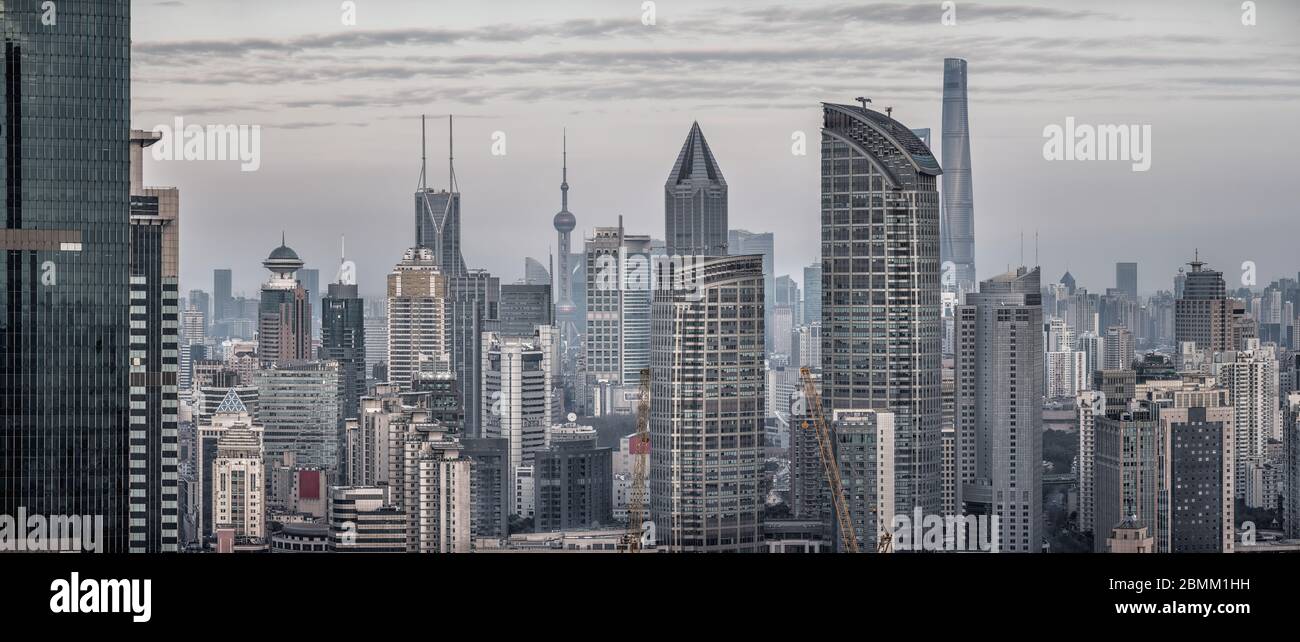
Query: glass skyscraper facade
880	281
64	356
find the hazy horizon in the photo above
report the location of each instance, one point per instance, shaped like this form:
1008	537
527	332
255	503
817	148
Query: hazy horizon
340	108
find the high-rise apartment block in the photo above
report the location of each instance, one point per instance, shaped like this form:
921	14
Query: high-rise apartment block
418	327
999	387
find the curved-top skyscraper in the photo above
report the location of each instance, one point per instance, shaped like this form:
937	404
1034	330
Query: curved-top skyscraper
957	230
880	297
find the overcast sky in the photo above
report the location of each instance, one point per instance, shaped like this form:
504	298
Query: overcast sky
339	108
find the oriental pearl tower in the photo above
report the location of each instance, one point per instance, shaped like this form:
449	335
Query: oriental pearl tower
564	222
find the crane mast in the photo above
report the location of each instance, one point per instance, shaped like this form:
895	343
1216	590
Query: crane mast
848	536
639	447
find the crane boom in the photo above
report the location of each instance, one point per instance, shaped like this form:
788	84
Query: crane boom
848	536
639	447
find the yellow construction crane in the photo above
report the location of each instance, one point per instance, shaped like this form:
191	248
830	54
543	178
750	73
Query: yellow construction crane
639	447
813	401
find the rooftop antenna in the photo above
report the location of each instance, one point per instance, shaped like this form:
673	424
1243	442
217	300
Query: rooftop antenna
864	100
451	156
1035	247
424	159
1022	246
343	248
889	112
564	180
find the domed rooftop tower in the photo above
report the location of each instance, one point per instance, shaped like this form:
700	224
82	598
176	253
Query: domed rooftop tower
283	262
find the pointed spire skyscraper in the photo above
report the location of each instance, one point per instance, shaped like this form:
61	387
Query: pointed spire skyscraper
695	201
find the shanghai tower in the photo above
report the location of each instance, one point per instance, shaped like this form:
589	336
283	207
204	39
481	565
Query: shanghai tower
957	235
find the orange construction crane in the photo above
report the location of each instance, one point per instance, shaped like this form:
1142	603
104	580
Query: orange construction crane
639	446
814	410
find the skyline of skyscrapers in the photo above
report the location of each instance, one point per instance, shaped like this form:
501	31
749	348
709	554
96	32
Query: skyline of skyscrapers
192	421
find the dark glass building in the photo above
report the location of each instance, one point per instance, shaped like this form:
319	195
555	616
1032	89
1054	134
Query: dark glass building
490	485
64	355
523	308
573	481
343	339
472	308
222	302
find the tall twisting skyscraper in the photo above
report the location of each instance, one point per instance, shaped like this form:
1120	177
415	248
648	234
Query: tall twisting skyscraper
880	281
64	352
695	201
958	229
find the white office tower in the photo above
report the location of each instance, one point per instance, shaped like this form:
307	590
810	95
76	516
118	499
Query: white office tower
238	487
809	351
618	306
1060	338
999	388
1067	373
1252	377
1091	405
1092	346
417	315
1117	351
519	392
